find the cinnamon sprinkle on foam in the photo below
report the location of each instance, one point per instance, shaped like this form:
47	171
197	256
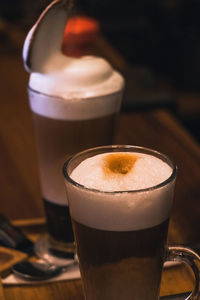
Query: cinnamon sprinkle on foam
119	163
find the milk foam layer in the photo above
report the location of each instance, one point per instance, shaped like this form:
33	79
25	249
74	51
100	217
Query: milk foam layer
82	88
123	211
147	171
68	81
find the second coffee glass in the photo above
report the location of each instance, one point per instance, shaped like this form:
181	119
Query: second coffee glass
64	127
74	102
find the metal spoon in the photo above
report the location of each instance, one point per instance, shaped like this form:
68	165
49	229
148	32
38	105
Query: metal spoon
39	270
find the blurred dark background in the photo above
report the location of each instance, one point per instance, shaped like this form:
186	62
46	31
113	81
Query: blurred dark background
163	35
160	39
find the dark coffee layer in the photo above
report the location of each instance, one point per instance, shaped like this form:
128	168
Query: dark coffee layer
58	222
121	265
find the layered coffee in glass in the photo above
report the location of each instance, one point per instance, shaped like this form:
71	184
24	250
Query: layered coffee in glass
120	198
74	102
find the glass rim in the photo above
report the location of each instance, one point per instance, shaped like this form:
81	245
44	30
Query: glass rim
139	149
29	88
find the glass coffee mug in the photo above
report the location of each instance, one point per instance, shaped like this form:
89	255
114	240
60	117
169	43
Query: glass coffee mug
120	233
60	133
74	102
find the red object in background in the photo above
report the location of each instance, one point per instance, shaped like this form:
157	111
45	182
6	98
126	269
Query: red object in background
80	32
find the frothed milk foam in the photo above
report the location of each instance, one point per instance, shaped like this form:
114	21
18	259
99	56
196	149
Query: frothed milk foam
81	88
121	211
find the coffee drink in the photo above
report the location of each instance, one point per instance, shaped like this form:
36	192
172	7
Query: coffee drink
120	200
57	140
74	103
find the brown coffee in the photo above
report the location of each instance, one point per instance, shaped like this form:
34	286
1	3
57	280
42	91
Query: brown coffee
118	265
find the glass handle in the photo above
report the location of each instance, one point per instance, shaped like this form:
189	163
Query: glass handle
190	257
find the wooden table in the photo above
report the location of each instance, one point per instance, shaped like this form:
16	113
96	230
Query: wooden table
20	194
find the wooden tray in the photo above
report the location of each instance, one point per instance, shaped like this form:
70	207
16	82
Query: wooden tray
174	280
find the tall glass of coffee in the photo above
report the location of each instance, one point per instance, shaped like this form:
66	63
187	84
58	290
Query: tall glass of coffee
120	199
74	102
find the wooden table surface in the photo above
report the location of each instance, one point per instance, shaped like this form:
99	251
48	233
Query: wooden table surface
20	194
